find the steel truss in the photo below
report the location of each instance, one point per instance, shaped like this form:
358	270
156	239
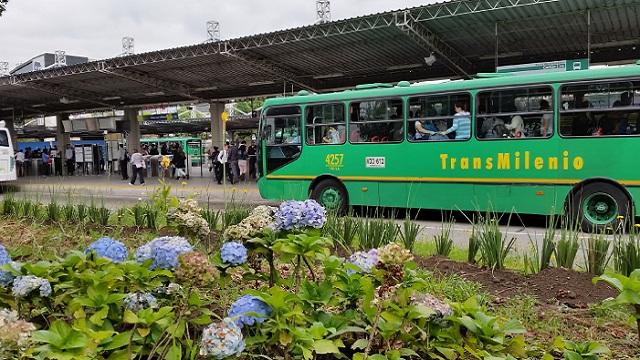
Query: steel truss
59	90
410	22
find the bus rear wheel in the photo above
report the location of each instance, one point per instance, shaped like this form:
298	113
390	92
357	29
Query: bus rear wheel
332	195
599	205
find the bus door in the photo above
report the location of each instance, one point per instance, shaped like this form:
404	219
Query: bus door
7	159
281	137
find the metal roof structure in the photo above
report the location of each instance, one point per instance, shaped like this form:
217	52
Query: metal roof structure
465	36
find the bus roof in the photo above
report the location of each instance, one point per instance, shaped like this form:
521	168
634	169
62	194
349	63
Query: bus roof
482	81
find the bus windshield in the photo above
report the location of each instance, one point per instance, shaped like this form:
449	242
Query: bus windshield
4	138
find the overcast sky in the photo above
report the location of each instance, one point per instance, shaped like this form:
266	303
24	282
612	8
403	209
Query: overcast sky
95	28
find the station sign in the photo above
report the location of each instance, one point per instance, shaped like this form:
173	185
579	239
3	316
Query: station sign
546	67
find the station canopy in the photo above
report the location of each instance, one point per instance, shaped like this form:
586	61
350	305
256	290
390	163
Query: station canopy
464	37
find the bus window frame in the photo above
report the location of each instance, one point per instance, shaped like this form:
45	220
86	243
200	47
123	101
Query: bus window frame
346	126
590	82
301	115
471	116
403	120
536	85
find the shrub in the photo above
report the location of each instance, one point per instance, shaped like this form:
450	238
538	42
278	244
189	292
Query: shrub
493	246
568	244
629	288
596	253
409	233
443	241
541	255
626	252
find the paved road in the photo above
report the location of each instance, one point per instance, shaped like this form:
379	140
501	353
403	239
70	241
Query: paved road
116	193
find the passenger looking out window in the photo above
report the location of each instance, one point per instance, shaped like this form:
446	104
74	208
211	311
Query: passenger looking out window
325	124
461	123
439	117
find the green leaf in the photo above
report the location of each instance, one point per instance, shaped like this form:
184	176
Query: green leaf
377	357
175	353
360	344
118	341
325	347
130	317
317	330
98	318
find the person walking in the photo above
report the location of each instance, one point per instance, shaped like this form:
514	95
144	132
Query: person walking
69	159
252	153
137	166
217	165
179	161
224	164
242	160
20	162
123	160
233	157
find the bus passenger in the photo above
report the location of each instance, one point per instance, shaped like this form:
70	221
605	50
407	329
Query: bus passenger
516	127
461	123
331	136
546	123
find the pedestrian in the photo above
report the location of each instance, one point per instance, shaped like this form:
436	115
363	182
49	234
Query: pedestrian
123	160
233	157
224	164
242	160
154	150
217	165
252	152
20	157
164	150
69	155
137	166
179	161
46	164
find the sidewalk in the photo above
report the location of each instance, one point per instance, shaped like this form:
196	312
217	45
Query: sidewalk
111	189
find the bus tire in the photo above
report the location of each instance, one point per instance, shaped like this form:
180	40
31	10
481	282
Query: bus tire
598	205
332	195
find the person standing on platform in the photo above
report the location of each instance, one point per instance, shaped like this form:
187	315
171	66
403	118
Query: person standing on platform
224	164
252	153
233	157
20	162
69	159
217	165
137	166
179	161
242	160
123	160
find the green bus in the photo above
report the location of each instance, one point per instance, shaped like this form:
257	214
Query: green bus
549	143
190	145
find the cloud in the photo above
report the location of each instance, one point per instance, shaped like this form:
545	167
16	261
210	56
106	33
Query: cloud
95	28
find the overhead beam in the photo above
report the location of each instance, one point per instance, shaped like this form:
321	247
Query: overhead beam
433	43
465	7
60	90
271	68
143	78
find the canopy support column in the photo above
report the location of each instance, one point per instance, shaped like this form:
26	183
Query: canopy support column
62	140
217	125
133	138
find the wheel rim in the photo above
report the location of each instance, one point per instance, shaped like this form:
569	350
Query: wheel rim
331	198
600	208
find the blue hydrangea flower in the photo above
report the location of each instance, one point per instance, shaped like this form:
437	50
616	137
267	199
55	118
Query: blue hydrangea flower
138	301
222	340
365	260
233	253
299	214
249	310
24	285
109	248
164	251
5	277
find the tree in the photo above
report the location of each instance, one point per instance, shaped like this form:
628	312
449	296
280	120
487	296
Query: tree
248	106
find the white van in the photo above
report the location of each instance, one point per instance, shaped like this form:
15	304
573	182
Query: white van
8	171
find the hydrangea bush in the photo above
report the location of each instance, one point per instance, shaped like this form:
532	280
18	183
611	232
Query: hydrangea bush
15	333
24	285
233	253
259	219
365	260
249	310
188	220
293	215
109	248
139	301
164	251
222	340
6	278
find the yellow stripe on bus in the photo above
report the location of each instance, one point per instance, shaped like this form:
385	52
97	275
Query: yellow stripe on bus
447	179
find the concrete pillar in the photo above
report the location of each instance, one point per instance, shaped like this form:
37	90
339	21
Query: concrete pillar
133	139
62	139
216	109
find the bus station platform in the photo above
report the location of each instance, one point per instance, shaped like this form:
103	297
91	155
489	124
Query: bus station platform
114	192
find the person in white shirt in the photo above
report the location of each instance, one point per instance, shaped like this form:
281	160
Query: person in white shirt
137	165
123	159
68	157
20	162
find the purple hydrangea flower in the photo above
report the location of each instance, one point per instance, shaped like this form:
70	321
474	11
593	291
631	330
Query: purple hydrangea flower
249	310
24	285
164	251
5	276
299	214
364	260
222	340
109	248
233	253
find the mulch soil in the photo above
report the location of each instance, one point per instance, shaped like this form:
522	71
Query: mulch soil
551	286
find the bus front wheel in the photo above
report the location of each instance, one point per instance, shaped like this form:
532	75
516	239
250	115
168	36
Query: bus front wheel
332	195
599	205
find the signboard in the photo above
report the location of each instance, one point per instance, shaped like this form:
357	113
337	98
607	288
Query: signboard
79	154
375	162
545	67
88	154
160	117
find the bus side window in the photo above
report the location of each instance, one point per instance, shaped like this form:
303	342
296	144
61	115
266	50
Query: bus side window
600	109
376	121
325	124
432	117
516	113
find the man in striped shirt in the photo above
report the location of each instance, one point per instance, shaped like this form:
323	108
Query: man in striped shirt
461	123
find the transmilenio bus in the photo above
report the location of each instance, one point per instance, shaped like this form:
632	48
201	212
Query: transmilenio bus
537	143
